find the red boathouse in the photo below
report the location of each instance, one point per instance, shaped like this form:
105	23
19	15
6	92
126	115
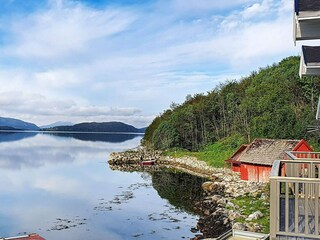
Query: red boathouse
254	161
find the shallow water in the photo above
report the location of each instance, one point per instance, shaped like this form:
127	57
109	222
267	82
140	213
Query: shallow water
61	187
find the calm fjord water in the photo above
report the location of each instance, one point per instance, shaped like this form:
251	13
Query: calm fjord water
61	187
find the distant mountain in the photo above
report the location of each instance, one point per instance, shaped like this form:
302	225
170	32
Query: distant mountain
7	128
57	124
143	129
16	124
99	127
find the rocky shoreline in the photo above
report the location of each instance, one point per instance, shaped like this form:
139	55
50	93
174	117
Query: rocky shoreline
217	211
187	164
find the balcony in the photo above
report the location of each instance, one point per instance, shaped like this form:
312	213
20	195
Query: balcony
310	61
306	20
294	198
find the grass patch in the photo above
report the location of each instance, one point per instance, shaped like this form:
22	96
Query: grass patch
249	205
213	154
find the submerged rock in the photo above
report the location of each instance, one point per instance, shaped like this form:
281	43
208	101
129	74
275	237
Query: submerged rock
213	216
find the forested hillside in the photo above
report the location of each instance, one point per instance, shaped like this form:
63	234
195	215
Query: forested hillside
272	102
98	127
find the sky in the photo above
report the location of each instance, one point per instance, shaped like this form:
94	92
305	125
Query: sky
128	60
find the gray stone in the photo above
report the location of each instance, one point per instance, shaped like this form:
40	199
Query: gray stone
230	205
254	216
253	227
239	226
208	186
234	215
263	196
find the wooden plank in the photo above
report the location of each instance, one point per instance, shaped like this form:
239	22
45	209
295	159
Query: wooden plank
286	207
316	211
275	169
274	208
296	208
300	235
301	160
291	155
293	180
306	210
309	170
302	152
303	185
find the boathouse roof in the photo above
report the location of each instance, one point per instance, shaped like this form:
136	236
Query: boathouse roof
235	157
266	151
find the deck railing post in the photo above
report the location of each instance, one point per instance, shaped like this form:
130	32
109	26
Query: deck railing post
316	211
296	207
274	217
286	212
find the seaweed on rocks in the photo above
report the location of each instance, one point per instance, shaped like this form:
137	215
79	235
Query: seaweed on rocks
213	219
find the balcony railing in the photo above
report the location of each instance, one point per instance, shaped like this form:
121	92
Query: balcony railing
303	155
306	20
294	199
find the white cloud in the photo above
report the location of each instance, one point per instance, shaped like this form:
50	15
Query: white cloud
191	7
129	63
65	28
57	78
258	9
17	103
286	6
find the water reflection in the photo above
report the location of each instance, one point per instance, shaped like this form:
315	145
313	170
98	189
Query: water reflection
97	137
36	154
63	188
182	190
6	136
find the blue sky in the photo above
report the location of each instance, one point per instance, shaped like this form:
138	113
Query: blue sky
106	60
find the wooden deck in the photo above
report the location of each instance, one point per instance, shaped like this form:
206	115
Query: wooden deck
294	199
301	217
